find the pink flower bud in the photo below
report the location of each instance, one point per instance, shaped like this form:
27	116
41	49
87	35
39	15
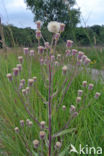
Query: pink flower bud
42	124
56	63
87	61
40	50
52	58
63	107
27	90
47	45
26	51
16	129
34	78
72	109
58	145
38	34
21	86
58	56
69	43
57	35
84	83
38	23
36	143
62	27
90	87
42	135
20	58
78	99
64	70
97	95
9	76
31	52
80	92
19	66
80	54
41	61
30	82
30	123
15	71
74	52
22	123
22	81
75	114
24	92
84	57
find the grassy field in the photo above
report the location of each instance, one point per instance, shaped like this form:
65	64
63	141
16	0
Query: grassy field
86	129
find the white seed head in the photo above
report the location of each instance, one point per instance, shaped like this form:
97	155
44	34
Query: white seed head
53	27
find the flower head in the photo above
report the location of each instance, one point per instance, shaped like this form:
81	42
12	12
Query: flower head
53	27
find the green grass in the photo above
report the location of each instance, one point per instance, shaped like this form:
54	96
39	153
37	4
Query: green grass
88	126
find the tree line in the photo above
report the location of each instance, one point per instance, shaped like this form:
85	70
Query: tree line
25	37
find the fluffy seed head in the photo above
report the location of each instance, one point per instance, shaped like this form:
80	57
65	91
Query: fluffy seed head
53	27
36	143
